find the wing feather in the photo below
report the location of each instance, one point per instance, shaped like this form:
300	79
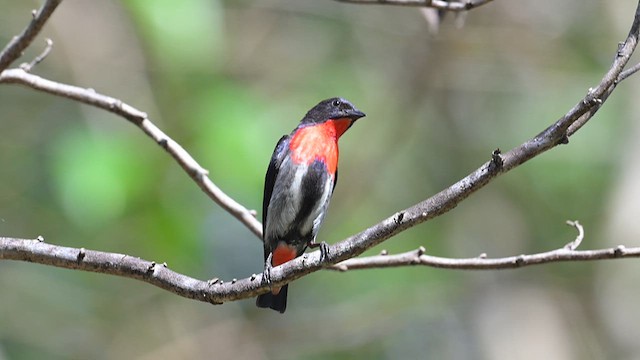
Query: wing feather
270	179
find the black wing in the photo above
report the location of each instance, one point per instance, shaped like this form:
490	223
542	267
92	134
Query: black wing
335	180
270	178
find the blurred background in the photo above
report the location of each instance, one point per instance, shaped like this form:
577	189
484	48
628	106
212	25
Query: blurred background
226	79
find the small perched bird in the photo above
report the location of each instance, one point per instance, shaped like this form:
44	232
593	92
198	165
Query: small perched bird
302	174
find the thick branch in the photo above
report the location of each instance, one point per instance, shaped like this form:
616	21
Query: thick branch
37	251
217	291
140	119
436	4
19	43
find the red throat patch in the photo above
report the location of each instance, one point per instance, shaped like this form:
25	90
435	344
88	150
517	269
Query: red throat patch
319	142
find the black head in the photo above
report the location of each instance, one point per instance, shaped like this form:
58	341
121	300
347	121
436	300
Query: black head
334	108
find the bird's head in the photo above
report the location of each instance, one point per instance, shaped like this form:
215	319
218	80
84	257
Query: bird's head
332	109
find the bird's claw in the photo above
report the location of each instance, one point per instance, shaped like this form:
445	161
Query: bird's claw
266	274
324	249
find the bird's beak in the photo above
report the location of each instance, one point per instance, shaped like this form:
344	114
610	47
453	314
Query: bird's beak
356	114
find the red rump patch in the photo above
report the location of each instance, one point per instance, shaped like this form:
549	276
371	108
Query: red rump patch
283	253
319	142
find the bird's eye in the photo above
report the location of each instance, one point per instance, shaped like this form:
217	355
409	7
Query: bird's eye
336	103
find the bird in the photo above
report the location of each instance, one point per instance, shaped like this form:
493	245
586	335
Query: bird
300	179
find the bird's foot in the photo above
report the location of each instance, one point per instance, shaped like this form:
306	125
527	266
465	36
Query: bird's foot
324	248
266	274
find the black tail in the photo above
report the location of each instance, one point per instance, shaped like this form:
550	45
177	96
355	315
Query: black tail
275	302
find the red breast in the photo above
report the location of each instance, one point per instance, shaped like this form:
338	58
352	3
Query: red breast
319	142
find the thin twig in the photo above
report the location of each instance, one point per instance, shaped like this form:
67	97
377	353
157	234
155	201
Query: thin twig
630	71
436	4
418	257
578	240
19	43
38	59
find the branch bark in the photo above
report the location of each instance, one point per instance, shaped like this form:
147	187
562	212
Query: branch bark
217	291
19	43
418	257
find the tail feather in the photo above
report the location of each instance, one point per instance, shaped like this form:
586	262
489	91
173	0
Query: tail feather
276	302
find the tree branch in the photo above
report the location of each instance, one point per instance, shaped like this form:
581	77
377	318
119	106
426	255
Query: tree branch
630	71
19	43
418	257
218	291
481	262
140	119
456	6
38	59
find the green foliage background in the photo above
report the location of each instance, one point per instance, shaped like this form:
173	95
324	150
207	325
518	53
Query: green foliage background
226	79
